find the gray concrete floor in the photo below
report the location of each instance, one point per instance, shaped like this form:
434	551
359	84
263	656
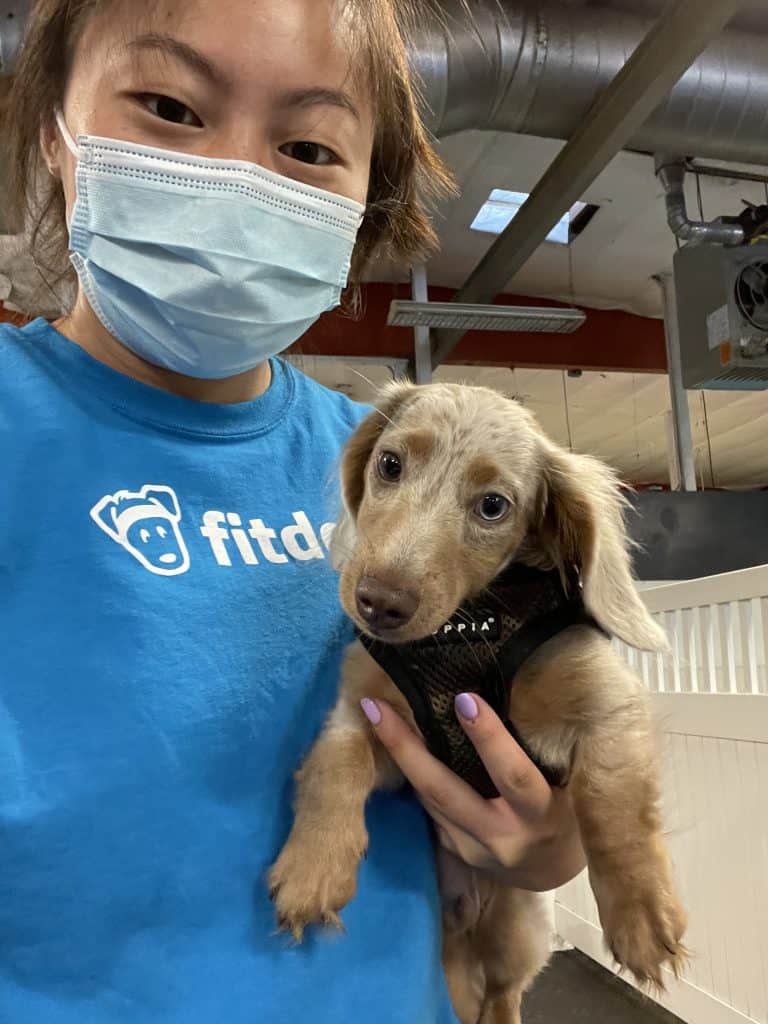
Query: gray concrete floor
576	990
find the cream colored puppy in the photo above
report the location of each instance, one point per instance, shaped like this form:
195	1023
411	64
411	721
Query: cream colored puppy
443	488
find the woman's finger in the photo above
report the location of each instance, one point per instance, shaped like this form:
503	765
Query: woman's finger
442	792
516	777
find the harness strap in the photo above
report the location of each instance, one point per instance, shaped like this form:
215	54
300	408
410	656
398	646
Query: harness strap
494	679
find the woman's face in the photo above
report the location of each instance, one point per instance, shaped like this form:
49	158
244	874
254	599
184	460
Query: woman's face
267	81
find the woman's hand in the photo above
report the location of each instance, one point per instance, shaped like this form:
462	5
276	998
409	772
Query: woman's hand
528	836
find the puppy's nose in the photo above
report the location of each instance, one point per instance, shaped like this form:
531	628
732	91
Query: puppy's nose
382	607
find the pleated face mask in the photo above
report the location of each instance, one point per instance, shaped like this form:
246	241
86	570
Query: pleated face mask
205	267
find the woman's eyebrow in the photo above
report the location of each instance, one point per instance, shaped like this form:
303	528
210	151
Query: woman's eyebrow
320	97
317	96
183	52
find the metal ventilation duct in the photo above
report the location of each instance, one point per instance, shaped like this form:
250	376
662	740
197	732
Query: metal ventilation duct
13	20
538	69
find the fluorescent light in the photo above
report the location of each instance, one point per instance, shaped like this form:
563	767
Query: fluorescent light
502	207
458	316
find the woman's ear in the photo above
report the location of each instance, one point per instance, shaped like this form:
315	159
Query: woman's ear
51	147
355	461
582	524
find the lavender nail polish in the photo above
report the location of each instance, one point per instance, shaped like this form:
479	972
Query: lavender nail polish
371	710
466	707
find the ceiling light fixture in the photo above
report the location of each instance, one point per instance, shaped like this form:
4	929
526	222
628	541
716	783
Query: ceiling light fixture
472	317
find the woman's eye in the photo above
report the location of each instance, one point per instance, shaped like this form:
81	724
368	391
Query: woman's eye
493	508
309	153
390	467
169	109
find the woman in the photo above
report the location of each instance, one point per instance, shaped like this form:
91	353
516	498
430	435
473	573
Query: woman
172	635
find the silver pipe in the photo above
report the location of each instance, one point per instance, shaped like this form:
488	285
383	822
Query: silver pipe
681	414
671	173
422	343
538	69
13	21
707	171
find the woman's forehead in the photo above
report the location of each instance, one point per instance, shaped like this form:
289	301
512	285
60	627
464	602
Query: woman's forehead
283	44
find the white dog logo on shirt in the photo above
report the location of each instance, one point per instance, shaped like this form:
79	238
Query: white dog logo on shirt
146	523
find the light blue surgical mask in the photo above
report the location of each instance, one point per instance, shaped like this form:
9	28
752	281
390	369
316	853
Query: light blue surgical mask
205	267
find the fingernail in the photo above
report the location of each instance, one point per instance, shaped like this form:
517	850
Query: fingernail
371	710
466	707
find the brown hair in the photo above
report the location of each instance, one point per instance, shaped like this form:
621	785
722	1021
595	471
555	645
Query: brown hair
406	172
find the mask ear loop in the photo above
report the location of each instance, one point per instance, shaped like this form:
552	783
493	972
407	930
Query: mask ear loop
72	146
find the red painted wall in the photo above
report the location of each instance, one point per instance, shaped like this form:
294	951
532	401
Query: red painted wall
609	340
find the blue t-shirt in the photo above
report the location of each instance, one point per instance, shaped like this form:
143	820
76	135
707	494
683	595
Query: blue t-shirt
170	644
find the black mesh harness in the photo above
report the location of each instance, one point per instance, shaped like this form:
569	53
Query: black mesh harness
480	649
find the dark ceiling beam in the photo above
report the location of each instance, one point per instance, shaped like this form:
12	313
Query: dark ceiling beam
679	36
609	340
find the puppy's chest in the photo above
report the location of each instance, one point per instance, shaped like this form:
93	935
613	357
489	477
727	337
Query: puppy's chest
481	650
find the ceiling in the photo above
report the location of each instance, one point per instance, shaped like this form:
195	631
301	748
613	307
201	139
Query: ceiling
612	264
753	17
622	418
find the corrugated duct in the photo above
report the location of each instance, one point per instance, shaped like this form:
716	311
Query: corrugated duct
537	69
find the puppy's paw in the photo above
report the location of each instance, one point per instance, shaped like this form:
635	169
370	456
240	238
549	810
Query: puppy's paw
311	882
644	932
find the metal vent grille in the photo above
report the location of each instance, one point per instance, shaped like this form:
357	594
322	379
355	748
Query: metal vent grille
753	377
752	294
456	316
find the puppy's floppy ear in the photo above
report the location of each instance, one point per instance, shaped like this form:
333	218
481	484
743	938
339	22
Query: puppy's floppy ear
363	441
581	523
355	462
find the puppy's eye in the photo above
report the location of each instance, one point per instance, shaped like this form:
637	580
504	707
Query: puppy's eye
493	508
390	467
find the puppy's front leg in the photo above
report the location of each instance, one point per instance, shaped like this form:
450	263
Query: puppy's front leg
315	875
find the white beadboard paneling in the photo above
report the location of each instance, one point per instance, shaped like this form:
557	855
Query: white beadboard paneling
717	635
712	643
741	717
709	590
715	785
713	837
754	768
688	1002
746	877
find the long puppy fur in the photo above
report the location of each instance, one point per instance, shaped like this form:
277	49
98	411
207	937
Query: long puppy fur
575	701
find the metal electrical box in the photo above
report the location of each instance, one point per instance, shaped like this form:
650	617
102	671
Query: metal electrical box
722	308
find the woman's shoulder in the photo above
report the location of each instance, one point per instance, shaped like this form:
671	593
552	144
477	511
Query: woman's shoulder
17	351
13	334
24	362
322	403
18	338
